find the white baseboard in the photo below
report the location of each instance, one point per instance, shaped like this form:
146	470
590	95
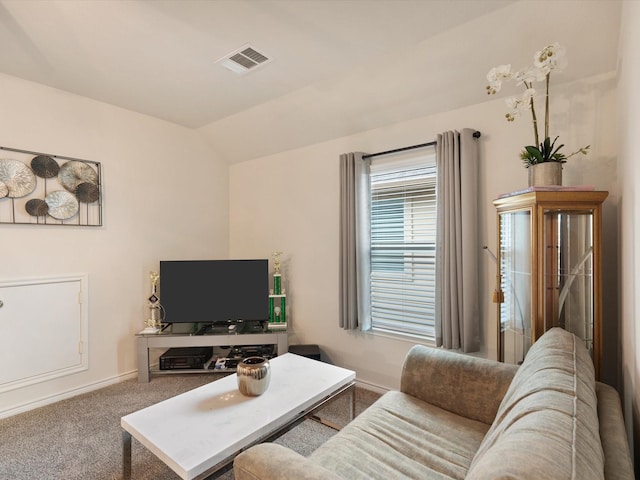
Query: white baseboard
371	386
41	402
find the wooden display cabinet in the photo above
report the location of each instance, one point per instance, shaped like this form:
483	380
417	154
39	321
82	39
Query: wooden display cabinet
549	269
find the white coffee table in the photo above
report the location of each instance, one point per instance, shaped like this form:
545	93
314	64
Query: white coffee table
201	431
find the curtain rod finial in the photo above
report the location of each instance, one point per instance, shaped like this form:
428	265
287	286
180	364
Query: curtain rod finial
476	134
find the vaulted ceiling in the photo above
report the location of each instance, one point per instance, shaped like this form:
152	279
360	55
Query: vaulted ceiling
336	66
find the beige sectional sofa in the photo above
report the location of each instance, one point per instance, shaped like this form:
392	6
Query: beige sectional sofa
458	416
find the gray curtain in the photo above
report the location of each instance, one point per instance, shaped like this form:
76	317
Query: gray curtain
457	309
355	242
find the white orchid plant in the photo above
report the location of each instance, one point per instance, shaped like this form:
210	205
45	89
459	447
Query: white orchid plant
550	58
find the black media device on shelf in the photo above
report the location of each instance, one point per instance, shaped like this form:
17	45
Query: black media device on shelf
185	358
239	353
222	294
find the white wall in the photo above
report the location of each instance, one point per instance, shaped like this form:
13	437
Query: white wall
165	196
289	202
629	171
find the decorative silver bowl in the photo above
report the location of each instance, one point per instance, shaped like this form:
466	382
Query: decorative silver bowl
254	375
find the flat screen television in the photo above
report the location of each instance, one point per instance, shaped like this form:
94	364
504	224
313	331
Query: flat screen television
214	291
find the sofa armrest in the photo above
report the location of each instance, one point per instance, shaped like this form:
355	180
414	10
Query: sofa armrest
270	461
613	436
469	386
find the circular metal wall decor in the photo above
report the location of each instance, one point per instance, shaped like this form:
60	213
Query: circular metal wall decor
18	178
44	166
74	173
62	205
38	188
36	207
87	192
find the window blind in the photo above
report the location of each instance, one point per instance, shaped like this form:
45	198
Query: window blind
403	237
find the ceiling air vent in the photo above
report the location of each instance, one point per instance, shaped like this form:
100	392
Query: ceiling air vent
244	59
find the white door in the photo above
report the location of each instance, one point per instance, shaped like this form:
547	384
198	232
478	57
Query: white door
42	330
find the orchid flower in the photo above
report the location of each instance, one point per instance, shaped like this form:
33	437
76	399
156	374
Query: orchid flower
550	58
495	77
518	105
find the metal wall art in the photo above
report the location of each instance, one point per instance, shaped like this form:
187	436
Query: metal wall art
43	189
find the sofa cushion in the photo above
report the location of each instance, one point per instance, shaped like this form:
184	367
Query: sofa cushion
402	437
547	423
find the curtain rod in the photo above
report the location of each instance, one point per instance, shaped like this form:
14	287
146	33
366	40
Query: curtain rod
476	134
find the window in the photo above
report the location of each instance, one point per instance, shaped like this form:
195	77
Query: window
403	243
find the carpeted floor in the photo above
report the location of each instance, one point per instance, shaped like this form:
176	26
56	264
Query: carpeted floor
81	437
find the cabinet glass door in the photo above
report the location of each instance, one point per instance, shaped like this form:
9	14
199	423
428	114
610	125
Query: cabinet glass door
568	273
549	269
515	283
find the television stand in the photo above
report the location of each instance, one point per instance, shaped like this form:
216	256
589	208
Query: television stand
145	342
